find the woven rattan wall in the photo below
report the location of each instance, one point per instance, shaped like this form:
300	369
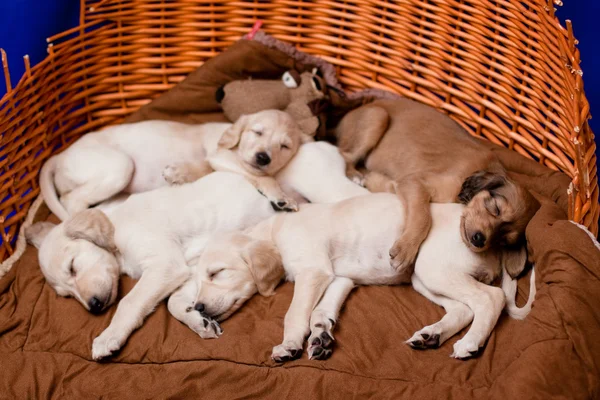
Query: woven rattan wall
506	70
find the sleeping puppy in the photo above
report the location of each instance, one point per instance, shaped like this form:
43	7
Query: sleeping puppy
142	156
152	237
326	249
84	256
430	158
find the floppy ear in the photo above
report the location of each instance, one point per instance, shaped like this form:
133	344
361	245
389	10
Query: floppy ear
514	259
480	180
36	233
265	266
231	137
94	226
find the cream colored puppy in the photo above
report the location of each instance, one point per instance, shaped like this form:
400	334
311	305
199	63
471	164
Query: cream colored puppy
142	156
326	249
154	236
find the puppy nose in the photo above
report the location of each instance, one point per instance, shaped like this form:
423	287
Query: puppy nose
262	158
478	239
199	307
95	305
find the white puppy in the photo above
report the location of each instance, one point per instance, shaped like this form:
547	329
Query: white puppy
154	236
147	155
326	249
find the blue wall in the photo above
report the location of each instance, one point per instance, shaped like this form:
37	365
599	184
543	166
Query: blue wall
25	25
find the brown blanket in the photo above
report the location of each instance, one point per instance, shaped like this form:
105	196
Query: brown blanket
45	340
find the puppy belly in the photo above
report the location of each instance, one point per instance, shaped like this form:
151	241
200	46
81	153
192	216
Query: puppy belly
368	267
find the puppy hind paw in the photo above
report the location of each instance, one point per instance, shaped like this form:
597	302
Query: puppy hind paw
465	349
426	338
286	352
175	174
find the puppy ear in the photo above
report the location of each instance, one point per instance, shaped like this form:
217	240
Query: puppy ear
94	226
265	265
514	259
231	137
36	233
480	180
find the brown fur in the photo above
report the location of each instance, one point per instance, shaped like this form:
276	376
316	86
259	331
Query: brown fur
429	158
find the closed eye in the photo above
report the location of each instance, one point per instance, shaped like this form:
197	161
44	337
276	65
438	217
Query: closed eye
285	146
492	207
72	270
258	133
212	275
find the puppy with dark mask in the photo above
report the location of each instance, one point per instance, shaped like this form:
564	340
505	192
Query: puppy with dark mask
424	156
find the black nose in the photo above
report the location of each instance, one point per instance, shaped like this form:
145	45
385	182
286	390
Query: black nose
95	305
478	239
199	307
262	158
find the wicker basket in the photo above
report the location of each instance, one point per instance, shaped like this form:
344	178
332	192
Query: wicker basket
505	70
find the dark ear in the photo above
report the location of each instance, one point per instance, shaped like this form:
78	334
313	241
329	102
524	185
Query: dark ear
94	226
231	137
265	264
480	180
514	259
36	233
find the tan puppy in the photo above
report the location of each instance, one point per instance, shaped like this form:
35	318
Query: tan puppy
424	156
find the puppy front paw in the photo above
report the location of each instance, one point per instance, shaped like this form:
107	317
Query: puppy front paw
105	345
208	328
286	352
403	255
284	204
176	174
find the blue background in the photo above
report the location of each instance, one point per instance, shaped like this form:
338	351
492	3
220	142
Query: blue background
25	25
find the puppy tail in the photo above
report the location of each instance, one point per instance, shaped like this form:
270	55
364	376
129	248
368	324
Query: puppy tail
49	191
509	286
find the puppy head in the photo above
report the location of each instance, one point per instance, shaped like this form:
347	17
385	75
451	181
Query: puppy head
231	269
496	214
76	257
265	141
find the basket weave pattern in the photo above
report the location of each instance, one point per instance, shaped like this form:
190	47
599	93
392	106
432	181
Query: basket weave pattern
505	70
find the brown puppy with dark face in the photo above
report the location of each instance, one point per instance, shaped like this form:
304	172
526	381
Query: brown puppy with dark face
424	156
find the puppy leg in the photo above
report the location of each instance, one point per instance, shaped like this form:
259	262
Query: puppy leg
358	133
110	172
379	183
308	289
322	320
416	197
162	275
185	172
269	188
485	301
458	316
225	160
181	306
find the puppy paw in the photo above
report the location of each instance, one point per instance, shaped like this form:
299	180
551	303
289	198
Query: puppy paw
105	345
403	256
176	174
207	328
359	180
284	204
286	352
426	338
465	348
